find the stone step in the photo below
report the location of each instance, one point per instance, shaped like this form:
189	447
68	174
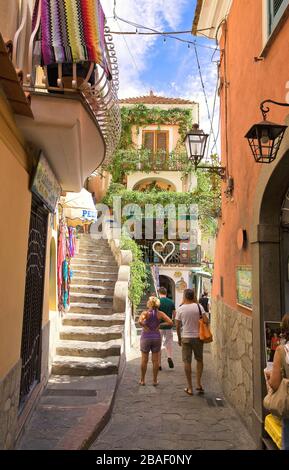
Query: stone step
95	251
101	257
93	242
106	281
87	333
88	348
92	289
82	319
80	307
87	298
94	268
94	262
84	366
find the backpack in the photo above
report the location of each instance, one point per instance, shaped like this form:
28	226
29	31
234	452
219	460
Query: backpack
204	301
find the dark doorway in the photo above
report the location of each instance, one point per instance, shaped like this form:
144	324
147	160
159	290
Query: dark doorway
169	284
32	317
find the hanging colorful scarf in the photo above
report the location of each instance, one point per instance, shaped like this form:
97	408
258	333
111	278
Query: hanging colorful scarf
61	254
72	31
71	242
65	285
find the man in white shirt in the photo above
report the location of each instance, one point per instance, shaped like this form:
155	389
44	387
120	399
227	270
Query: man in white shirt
187	319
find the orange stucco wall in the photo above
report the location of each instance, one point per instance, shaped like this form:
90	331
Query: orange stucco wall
248	83
15	205
99	185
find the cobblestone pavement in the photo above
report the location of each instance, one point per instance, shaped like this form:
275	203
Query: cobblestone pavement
165	418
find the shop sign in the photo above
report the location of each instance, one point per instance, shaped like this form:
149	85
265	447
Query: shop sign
244	286
45	184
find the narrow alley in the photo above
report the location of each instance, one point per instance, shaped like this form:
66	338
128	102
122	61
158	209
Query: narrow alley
164	417
144	188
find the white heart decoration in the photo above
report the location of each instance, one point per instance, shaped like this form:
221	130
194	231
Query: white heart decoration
164	259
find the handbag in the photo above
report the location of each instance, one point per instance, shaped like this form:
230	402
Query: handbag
278	402
205	333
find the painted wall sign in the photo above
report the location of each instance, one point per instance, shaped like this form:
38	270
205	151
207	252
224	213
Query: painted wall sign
244	286
45	184
181	285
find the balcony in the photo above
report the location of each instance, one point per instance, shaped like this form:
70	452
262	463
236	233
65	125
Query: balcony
182	255
147	161
73	88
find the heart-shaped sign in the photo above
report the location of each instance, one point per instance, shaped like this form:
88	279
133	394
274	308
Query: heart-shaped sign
163	245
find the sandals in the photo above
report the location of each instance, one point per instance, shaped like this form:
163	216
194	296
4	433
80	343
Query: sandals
200	390
186	390
155	384
141	383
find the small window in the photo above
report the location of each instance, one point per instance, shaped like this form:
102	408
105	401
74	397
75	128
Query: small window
276	8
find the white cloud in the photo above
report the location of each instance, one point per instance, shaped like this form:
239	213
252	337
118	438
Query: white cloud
133	54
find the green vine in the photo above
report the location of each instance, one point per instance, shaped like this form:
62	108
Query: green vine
138	272
205	196
142	116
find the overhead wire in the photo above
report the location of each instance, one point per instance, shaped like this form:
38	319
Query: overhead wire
212	122
204	92
167	34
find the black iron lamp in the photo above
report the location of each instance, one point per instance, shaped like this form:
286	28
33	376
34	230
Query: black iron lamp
195	142
265	137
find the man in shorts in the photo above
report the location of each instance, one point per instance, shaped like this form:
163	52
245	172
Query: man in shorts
168	307
187	325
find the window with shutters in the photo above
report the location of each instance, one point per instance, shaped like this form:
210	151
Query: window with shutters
158	143
276	9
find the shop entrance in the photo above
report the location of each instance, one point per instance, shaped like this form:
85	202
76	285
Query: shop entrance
270	272
32	317
169	284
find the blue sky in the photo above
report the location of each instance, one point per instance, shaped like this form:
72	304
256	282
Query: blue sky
168	68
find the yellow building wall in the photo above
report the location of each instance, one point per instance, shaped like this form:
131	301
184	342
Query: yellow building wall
15	206
8	18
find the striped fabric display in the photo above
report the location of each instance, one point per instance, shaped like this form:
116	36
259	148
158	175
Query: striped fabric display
72	31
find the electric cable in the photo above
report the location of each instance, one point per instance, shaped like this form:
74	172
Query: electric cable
167	34
204	91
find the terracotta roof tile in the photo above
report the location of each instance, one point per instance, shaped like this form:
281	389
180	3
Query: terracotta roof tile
154	99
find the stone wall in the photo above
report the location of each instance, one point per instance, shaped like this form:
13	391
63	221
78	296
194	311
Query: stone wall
9	398
233	355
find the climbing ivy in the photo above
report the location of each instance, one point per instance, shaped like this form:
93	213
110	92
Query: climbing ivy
141	116
206	196
138	272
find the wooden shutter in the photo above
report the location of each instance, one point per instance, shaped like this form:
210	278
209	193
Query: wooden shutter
148	140
162	142
276	10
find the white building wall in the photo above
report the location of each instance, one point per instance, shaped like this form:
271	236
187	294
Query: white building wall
171	271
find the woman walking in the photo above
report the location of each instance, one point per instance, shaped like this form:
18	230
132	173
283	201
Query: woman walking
150	338
281	370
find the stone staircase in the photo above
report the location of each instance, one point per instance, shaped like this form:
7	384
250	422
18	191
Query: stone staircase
91	333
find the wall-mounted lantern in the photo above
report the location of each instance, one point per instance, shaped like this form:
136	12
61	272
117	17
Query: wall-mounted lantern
265	137
195	142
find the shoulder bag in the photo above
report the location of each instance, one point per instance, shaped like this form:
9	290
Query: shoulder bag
205	333
278	402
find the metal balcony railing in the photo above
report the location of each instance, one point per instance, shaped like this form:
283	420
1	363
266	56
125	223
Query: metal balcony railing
182	254
91	81
146	160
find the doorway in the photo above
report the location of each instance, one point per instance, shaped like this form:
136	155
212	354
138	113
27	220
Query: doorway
270	257
169	284
34	286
